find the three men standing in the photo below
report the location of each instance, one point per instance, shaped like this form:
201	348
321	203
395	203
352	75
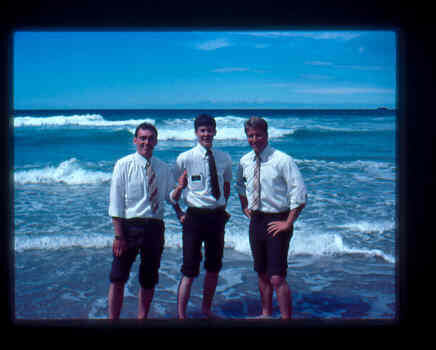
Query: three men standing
271	191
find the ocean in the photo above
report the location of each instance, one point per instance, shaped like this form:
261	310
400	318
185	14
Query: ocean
342	255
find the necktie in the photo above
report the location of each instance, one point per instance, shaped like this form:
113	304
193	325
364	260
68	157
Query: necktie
213	175
152	187
256	185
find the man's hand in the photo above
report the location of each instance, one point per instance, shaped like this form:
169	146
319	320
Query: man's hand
183	180
275	227
247	212
119	246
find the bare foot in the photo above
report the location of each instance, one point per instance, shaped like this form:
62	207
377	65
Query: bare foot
210	315
263	317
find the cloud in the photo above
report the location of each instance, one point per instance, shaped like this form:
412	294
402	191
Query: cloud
230	69
317	35
213	44
319	63
344	91
347	66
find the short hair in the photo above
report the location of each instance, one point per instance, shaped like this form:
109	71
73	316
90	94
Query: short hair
146	126
204	120
256	123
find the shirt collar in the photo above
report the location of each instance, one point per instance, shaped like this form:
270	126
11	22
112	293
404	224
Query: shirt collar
142	161
203	150
264	154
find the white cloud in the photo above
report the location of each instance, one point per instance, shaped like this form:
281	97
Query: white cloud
348	66
230	69
213	44
319	63
344	91
317	35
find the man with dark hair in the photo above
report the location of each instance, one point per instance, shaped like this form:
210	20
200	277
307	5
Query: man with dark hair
206	174
140	184
272	195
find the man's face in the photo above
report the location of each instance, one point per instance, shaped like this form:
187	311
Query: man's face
145	142
257	138
205	135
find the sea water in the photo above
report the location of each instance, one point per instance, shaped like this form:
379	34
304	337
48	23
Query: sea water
341	258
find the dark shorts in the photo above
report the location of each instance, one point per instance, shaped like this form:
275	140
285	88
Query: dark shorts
200	226
144	237
270	254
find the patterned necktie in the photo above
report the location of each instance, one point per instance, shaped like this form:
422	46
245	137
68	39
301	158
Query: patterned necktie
256	185
213	175
152	187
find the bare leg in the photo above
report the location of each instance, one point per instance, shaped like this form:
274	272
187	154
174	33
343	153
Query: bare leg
210	283
183	294
266	292
115	299
144	300
283	295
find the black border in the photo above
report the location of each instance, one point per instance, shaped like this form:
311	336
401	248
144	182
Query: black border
415	140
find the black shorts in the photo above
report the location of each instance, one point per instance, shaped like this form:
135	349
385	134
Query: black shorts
147	238
200	226
270	254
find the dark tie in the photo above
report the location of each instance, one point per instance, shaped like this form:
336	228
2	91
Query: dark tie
213	175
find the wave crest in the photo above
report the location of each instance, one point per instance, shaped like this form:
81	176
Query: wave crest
69	172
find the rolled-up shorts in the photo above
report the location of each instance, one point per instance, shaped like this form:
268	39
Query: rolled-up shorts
203	225
270	254
146	237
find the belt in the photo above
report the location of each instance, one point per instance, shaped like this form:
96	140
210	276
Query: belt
194	210
262	213
143	221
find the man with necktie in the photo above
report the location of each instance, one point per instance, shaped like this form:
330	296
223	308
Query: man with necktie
272	195
206	174
140	184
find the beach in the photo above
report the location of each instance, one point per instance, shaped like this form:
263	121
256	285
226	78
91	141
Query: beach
342	257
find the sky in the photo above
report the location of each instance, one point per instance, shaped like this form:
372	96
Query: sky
204	70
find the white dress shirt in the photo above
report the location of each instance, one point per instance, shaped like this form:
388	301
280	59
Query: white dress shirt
198	193
281	184
129	197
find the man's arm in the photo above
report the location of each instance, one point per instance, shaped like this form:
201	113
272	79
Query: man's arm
226	191
244	205
119	245
276	227
182	182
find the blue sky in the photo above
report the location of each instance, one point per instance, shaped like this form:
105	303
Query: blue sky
209	69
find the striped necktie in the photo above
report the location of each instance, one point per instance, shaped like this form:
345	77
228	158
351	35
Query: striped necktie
213	175
152	187
256	185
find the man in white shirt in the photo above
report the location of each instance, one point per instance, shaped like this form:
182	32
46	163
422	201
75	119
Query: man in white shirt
140	184
272	194
206	174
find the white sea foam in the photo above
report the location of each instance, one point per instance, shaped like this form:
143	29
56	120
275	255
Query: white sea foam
228	128
330	244
54	242
90	120
68	172
369	227
301	244
377	170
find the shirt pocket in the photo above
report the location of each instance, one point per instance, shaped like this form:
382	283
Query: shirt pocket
196	182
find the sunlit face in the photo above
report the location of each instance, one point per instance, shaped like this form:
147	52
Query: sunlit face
257	139
145	142
205	135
